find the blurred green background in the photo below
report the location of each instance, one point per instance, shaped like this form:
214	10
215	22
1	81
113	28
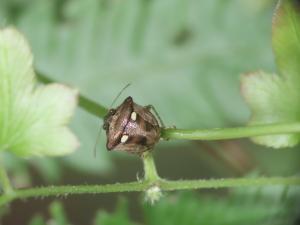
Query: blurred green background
184	57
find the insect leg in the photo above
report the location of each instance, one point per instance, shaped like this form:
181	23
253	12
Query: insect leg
151	107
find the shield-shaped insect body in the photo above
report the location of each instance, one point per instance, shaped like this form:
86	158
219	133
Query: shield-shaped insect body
131	128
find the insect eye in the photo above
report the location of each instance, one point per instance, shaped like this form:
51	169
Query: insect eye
105	126
112	112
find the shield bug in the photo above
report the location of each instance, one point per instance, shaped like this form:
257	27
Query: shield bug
131	127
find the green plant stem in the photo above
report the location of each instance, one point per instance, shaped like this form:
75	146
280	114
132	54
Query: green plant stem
228	182
85	103
143	186
149	168
231	133
198	134
4	179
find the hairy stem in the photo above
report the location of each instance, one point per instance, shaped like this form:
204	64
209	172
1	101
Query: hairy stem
149	167
57	191
228	182
143	186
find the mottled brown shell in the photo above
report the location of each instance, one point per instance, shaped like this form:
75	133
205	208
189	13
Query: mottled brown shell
143	130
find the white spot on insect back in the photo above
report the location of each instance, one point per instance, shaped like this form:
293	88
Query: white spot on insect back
133	116
124	138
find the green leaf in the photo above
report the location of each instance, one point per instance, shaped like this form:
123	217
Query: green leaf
286	38
272	99
234	209
57	216
37	220
57	213
120	216
32	118
275	98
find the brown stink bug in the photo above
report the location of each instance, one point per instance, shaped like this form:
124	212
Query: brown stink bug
131	128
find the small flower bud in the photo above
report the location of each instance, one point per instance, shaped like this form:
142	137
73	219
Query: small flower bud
153	194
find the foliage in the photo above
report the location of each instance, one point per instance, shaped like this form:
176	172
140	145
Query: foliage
274	98
57	215
32	119
213	210
119	216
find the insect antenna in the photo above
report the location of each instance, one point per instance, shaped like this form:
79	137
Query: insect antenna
116	98
97	142
101	128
